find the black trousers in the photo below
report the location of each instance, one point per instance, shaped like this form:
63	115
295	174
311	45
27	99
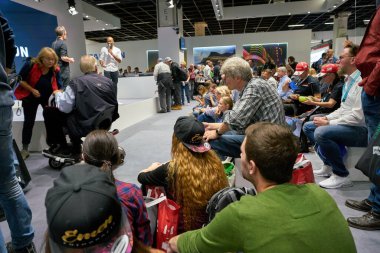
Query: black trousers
30	106
177	93
114	76
55	123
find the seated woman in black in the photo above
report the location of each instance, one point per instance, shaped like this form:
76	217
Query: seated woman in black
192	177
331	94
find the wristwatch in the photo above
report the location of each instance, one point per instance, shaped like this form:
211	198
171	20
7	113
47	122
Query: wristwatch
217	132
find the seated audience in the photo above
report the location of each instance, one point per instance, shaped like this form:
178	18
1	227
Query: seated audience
215	114
266	74
40	78
210	98
332	91
312	72
88	103
283	88
282	217
289	70
194	174
258	102
100	149
343	127
305	86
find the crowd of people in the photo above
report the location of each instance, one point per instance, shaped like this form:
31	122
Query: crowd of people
241	113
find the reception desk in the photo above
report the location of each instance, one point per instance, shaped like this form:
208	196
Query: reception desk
136	87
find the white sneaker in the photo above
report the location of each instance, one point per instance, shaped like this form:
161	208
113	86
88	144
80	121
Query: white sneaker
336	181
324	171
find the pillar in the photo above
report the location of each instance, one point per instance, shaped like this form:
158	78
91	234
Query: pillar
340	31
169	30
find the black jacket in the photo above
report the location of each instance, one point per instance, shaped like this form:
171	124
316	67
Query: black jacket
94	95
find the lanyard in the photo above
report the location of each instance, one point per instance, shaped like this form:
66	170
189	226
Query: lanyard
347	88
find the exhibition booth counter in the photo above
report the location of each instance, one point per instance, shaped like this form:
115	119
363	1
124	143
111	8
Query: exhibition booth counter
136	87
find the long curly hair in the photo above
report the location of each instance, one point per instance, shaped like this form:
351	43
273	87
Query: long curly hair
193	179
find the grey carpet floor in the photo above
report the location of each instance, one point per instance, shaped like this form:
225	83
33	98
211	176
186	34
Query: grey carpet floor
150	141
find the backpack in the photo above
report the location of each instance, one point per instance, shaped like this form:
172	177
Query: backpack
224	197
182	74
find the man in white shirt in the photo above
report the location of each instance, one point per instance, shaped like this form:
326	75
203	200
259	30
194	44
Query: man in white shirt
110	57
207	70
343	127
163	76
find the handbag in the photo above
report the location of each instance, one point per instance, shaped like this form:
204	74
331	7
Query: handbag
302	171
369	162
167	223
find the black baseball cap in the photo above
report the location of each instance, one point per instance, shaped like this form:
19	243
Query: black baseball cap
190	132
83	211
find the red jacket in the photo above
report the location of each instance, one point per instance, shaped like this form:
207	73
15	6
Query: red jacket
368	57
35	74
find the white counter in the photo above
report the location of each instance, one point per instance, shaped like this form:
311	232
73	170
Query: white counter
136	87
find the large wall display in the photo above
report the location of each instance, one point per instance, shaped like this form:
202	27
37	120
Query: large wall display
261	52
33	29
202	54
152	57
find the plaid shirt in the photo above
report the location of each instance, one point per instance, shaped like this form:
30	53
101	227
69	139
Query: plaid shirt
133	204
258	102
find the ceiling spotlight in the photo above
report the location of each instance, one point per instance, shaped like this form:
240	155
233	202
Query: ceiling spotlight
170	3
290	13
103	29
71	8
308	12
334	6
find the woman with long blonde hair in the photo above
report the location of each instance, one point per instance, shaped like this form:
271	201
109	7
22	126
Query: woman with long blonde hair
194	174
40	77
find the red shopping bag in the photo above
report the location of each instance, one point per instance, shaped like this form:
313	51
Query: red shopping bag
154	192
167	223
302	171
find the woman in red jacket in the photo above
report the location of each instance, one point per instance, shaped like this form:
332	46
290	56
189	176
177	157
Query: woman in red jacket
40	77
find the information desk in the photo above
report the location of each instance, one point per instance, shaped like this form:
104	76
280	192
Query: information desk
136	87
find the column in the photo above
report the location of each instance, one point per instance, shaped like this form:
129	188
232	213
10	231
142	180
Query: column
169	30
340	31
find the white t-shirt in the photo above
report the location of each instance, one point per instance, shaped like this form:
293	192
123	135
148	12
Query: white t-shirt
109	60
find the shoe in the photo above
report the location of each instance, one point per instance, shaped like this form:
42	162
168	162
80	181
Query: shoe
324	171
24	154
59	150
162	111
176	107
369	221
28	249
364	205
336	181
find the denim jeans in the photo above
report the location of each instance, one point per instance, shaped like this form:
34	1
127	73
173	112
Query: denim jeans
371	109
228	144
309	128
185	92
205	118
12	198
330	139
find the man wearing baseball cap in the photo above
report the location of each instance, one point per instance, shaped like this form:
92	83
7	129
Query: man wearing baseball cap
343	127
306	86
331	91
83	212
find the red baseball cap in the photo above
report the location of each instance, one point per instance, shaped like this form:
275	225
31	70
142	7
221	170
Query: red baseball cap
300	68
328	68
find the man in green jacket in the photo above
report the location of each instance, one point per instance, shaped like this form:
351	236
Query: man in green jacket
282	217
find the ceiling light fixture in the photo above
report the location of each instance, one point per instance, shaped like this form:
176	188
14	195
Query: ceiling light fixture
71	8
366	21
308	12
170	4
329	23
107	3
296	25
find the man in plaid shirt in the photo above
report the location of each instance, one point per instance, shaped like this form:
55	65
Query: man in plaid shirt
258	102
